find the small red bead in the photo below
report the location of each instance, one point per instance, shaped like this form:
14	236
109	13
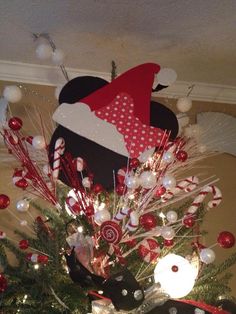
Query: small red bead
174	268
4	201
160	191
22	183
182	155
23	244
121	189
188	221
134	163
15	123
42	259
168	243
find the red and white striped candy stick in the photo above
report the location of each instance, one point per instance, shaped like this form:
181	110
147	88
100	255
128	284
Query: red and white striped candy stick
58	151
133	222
187	185
217	198
122	213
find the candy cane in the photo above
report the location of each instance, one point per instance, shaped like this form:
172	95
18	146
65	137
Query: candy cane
19	175
217	198
122	213
58	151
73	205
187	185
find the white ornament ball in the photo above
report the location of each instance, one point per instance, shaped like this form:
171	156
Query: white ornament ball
38	142
22	206
157	231
86	182
43	51
102	216
166	76
12	93
171	216
176	275
169	181
147	179
167	233
132	182
184	104
193	130
58	57
23	223
207	256
168	157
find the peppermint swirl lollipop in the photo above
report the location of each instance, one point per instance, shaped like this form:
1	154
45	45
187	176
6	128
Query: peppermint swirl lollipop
111	232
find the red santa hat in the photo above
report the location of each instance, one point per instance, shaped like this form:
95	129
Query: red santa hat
117	116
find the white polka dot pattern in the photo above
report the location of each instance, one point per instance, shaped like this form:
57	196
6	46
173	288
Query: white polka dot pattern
120	112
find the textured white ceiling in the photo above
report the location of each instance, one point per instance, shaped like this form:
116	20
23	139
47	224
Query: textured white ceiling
195	37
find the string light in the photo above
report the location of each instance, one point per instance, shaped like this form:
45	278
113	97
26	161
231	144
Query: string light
36	266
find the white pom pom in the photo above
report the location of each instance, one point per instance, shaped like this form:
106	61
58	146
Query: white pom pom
12	93
43	51
58	57
184	104
183	119
166	76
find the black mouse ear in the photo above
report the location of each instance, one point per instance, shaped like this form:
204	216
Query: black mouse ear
79	88
163	118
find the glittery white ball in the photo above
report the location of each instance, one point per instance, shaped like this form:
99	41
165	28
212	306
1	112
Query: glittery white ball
184	104
168	157
167	233
38	142
147	179
207	256
132	182
172	216
157	231
101	216
23	223
168	181
43	51
22	206
166	76
146	154
58	57
86	182
12	93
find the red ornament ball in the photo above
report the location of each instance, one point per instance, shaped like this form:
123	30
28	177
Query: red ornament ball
182	155
226	239
148	221
134	163
3	283
121	189
160	191
111	232
188	221
42	259
15	123
4	201
23	244
97	188
168	243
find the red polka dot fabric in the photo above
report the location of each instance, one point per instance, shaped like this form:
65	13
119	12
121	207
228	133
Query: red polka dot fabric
138	137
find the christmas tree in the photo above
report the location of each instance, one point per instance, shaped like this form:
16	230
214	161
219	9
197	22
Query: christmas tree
120	228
